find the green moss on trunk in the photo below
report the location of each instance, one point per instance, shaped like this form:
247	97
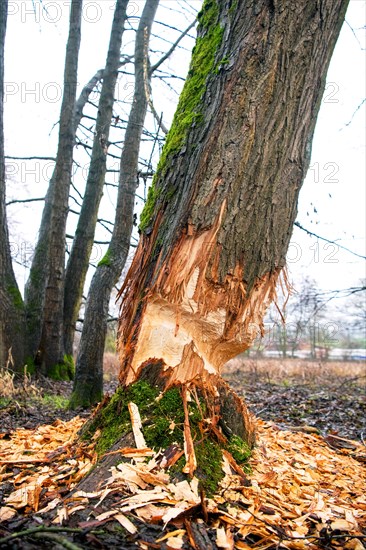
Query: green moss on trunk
106	260
162	418
64	370
188	111
16	296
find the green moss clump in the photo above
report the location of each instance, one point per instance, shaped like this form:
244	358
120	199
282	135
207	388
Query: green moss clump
240	451
166	426
64	370
148	210
114	419
55	401
188	111
14	292
162	417
209	460
106	260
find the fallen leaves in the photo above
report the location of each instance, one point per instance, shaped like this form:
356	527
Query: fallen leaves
301	492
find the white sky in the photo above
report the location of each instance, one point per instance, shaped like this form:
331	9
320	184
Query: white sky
35	50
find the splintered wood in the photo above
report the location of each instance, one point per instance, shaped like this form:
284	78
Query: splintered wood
182	312
302	493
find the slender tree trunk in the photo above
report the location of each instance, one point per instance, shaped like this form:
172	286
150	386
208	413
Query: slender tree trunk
45	287
11	302
219	216
78	262
88	385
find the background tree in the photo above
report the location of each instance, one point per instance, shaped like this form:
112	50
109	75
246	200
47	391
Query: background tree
78	262
11	310
88	385
44	296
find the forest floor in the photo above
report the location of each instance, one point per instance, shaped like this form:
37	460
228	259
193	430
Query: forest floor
294	400
328	396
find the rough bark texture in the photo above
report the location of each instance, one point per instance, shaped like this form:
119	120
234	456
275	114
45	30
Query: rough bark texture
78	262
220	213
11	303
88	386
45	287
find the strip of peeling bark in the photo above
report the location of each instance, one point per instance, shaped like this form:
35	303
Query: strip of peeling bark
219	217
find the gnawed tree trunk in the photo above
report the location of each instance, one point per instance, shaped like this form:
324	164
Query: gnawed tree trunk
88	385
219	216
78	263
45	288
11	302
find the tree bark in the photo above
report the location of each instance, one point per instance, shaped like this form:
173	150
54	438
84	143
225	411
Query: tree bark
45	287
88	385
11	302
219	216
78	263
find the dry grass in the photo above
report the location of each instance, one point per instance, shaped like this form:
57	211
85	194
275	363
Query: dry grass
274	370
16	390
278	370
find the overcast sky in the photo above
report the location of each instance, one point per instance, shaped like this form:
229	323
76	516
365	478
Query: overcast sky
332	201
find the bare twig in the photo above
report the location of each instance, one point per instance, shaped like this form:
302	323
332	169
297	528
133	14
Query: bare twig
16	201
30	158
40	529
171	50
328	241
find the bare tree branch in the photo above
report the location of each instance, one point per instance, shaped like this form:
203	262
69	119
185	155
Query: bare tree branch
328	241
31	158
16	201
171	50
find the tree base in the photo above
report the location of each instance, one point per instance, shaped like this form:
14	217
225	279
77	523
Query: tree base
192	426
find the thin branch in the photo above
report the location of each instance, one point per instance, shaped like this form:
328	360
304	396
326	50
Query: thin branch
41	529
354	34
171	50
75	200
76	190
354	113
31	158
328	241
25	200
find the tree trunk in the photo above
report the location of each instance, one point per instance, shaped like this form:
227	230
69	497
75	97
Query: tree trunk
11	302
45	287
88	385
78	263
219	216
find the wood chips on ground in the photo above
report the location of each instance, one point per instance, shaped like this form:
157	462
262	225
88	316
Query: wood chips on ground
302	493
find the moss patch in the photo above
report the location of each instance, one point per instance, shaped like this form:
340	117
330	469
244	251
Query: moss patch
188	111
14	292
240	451
162	418
106	260
209	460
64	370
55	401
